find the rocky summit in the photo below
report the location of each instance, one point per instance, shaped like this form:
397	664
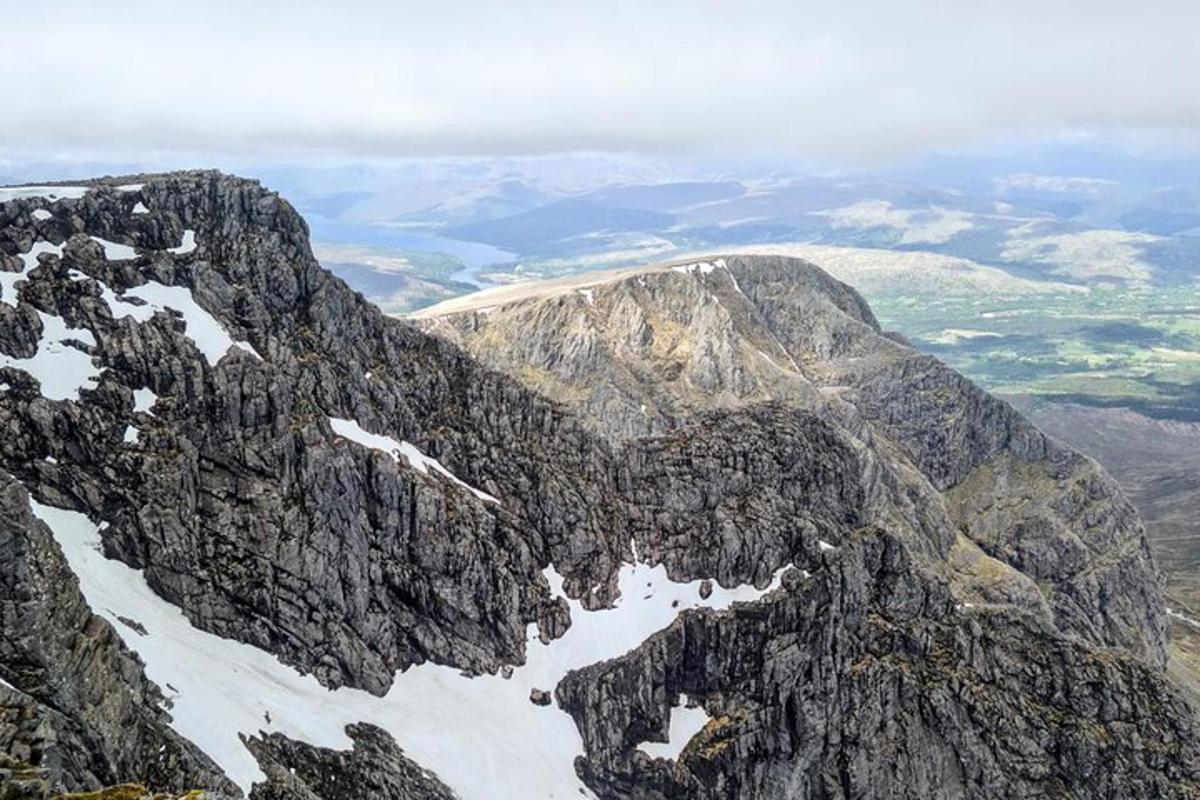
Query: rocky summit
700	530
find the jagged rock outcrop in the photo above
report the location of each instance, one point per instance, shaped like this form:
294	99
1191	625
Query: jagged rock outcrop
375	767
76	711
239	502
971	608
642	354
864	681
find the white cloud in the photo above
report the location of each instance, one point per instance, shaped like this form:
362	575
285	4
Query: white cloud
384	79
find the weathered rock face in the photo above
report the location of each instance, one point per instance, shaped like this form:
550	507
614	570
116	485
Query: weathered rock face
238	501
643	354
76	712
972	609
864	681
375	768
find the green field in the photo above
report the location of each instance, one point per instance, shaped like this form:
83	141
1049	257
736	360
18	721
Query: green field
1138	348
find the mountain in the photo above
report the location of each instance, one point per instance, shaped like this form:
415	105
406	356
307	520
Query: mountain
1157	462
261	539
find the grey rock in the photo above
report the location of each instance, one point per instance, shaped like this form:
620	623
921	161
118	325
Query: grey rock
972	611
375	767
863	681
78	710
652	351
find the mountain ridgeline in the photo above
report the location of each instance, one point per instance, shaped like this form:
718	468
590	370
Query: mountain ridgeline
700	531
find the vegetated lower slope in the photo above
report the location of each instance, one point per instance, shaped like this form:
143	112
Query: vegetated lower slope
881	583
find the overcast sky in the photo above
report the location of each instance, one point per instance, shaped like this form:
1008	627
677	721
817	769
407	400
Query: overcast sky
851	80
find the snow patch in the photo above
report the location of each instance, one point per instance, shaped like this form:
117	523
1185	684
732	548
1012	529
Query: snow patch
503	747
114	251
349	429
61	368
41	214
703	267
144	400
825	546
50	192
8	280
685	723
588	295
131	435
203	328
140	208
188	245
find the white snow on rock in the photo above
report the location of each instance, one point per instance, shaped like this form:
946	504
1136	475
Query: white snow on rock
1182	617
118	252
131	434
349	429
115	251
140	208
482	736
41	214
60	368
685	723
202	327
49	192
824	545
588	295
8	280
144	400
703	267
131	187
188	245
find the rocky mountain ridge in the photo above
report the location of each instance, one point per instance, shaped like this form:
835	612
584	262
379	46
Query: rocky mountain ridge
642	354
912	541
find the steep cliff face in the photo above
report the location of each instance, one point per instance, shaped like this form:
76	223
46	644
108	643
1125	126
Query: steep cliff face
643	354
863	572
864	681
75	707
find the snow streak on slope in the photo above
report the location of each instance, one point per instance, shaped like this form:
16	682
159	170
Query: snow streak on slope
482	736
349	429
